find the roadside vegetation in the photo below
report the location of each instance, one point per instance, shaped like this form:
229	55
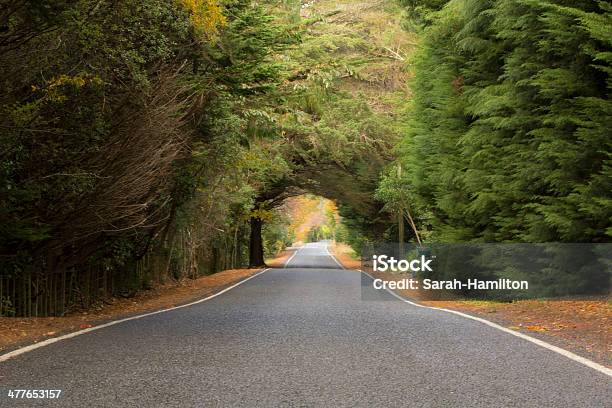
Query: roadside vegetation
151	141
508	138
146	142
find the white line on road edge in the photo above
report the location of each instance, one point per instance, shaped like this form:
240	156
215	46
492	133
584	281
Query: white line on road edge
291	257
541	343
333	257
19	351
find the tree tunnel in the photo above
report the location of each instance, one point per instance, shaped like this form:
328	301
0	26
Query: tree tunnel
351	186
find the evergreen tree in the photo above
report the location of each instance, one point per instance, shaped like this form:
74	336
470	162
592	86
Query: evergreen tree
510	137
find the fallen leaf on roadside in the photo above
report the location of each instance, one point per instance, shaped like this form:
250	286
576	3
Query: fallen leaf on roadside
85	326
537	328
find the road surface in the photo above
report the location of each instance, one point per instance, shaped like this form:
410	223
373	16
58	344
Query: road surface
303	337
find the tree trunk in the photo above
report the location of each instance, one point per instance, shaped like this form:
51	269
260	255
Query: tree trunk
256	255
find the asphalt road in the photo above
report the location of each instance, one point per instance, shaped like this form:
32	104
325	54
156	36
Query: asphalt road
303	337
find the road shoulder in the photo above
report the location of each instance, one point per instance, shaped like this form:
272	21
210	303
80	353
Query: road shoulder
580	326
17	332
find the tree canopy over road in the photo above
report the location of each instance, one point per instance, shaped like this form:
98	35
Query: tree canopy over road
146	140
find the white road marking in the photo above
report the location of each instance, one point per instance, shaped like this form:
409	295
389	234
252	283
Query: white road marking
22	350
563	352
291	257
591	364
333	257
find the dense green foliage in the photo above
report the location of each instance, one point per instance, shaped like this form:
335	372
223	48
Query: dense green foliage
509	133
135	137
147	140
346	91
151	139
